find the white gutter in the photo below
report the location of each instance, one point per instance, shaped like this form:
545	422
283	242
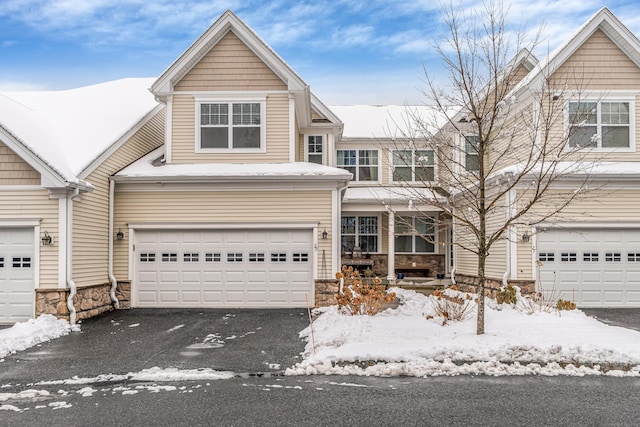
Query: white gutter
70	283
112	278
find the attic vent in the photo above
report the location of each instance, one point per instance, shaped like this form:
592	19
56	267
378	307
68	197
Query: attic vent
321	121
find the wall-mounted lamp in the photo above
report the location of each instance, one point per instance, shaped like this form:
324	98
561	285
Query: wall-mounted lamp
325	234
47	240
525	237
119	235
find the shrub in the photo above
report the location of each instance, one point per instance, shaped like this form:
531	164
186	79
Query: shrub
451	305
565	305
358	298
507	295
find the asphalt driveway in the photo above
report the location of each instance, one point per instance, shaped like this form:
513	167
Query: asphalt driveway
625	317
252	342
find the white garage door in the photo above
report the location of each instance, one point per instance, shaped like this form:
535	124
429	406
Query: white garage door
17	293
595	268
223	268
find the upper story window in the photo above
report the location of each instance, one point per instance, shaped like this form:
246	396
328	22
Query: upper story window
600	124
413	165
230	125
315	149
471	159
363	164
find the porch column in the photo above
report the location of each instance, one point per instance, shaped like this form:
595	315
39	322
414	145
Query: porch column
391	250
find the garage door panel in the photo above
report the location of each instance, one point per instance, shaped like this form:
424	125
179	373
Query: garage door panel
191	277
17	274
191	297
169	277
633	297
233	268
212	297
171	297
602	272
147	297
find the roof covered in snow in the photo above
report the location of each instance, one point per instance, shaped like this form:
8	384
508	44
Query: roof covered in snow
69	129
387	121
149	167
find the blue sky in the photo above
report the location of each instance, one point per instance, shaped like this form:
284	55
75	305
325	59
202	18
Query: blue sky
349	51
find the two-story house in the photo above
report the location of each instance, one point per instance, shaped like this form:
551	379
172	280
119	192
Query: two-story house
229	184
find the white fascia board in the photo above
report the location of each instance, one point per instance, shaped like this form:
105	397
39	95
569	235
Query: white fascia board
158	186
49	176
119	142
160	225
603	20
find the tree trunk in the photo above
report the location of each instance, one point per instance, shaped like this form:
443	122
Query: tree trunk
481	284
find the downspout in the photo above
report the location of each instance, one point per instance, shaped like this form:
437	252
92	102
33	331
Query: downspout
70	283
112	278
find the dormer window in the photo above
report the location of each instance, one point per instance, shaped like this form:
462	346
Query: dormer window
230	126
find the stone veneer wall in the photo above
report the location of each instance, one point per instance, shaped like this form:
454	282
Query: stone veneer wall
326	291
492	286
435	263
89	301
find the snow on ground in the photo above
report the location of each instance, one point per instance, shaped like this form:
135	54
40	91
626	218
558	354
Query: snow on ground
403	341
32	332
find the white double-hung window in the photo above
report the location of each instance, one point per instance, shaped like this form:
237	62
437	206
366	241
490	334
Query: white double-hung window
230	126
603	124
363	164
413	165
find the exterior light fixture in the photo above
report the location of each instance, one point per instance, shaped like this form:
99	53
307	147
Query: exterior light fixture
119	235
525	237
325	234
47	240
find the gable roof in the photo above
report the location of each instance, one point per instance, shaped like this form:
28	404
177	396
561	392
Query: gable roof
60	133
228	21
603	20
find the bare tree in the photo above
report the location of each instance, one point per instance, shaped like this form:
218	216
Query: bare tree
503	148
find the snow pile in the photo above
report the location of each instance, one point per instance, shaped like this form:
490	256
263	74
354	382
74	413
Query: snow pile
155	374
404	341
32	332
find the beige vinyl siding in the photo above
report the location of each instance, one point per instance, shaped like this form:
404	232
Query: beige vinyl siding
598	206
230	65
264	206
599	64
36	204
91	213
496	262
14	170
184	134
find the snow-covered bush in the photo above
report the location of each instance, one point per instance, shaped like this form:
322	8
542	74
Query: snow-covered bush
356	297
451	305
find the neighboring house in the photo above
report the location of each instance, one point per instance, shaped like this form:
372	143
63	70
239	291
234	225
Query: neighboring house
229	184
